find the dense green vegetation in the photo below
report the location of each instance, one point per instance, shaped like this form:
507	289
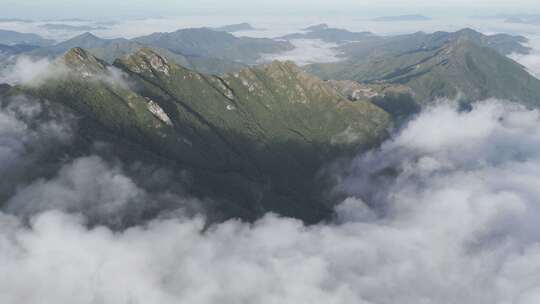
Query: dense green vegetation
256	138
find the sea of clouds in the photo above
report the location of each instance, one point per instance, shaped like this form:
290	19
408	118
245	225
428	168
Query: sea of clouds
307	51
446	211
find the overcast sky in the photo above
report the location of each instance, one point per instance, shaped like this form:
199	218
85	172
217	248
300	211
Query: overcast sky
147	8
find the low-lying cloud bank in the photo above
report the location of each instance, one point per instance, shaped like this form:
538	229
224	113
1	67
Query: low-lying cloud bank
445	212
307	51
46	166
30	131
531	61
34	72
29	71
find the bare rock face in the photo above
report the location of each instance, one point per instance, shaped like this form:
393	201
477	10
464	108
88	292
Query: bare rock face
155	109
148	61
354	90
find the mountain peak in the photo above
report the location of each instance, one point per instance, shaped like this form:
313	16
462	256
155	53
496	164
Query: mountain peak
235	27
467	30
318	27
77	52
87	36
83	62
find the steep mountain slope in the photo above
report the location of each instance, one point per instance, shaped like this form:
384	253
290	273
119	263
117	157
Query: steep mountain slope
257	137
458	68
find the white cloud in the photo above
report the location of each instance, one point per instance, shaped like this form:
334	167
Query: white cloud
21	137
531	61
34	72
86	185
458	224
307	51
31	72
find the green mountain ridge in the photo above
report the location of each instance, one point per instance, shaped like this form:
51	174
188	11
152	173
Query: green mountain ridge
333	35
257	137
459	67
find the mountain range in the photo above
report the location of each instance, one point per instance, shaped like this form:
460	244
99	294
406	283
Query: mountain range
202	49
233	28
463	64
328	34
11	37
256	138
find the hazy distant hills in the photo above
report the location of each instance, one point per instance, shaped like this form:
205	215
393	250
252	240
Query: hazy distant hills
203	49
533	19
325	33
12	37
205	53
465	63
523	19
232	28
217	44
402	18
75	28
9	50
364	44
